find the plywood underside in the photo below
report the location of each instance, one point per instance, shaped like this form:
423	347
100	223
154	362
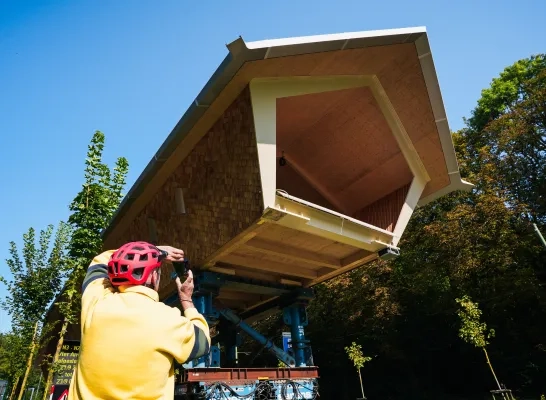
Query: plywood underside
278	254
340	142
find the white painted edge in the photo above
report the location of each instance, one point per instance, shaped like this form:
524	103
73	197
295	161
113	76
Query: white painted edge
412	199
456	184
432	84
332	37
280	193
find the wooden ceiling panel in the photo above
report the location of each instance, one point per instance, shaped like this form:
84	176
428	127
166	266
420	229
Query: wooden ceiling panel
291	237
385	179
343	142
310	109
346	147
338	250
254	253
291	254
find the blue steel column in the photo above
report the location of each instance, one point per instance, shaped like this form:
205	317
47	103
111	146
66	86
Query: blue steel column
200	303
295	317
298	336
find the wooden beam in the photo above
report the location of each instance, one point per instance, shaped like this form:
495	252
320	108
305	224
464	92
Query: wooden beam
353	260
277	249
234	243
290	282
313	182
342	270
270	266
260	276
225	271
246	297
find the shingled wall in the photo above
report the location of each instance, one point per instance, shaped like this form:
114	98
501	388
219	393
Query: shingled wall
221	183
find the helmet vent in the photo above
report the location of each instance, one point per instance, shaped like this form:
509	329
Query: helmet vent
138	272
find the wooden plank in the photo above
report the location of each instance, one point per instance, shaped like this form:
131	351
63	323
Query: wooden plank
236	295
225	271
342	270
263	265
260	276
293	253
316	182
293	237
234	243
290	282
355	259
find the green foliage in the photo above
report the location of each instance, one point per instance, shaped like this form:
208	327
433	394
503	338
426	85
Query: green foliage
472	330
354	352
92	210
10	344
505	140
506	90
37	276
13	352
95	204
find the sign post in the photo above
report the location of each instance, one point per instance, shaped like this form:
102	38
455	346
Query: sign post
68	358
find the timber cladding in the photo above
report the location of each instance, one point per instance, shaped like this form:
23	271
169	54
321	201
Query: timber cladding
220	181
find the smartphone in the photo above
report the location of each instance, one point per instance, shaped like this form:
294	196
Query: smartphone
181	269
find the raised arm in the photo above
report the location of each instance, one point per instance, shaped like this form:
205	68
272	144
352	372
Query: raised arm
189	336
96	284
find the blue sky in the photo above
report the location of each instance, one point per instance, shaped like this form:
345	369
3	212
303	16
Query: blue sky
131	68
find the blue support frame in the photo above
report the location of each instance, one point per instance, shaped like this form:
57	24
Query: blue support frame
292	301
295	316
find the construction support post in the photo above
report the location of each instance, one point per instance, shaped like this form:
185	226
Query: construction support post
295	316
203	303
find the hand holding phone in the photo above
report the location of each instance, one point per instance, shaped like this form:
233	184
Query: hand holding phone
181	269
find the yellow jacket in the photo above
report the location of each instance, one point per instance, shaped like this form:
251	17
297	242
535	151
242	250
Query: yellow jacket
129	340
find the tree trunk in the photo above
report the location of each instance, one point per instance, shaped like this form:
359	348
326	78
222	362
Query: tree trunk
361	385
29	362
493	372
14	388
55	358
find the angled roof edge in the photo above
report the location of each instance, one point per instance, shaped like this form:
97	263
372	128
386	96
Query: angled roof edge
241	52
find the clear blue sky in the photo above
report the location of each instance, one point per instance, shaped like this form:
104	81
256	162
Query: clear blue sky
131	68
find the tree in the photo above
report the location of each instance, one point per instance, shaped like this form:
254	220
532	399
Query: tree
473	331
506	136
11	366
37	277
92	209
354	352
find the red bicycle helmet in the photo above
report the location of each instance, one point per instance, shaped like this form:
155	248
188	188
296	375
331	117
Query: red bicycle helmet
133	262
